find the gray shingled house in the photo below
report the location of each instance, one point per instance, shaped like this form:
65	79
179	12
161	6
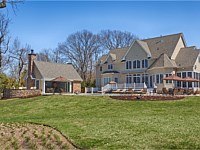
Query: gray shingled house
149	61
52	77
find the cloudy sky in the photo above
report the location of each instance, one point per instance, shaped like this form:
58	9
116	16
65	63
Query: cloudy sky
43	24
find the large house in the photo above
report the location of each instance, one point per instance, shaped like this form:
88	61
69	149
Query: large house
52	77
148	61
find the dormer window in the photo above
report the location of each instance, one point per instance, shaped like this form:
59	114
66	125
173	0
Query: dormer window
110	66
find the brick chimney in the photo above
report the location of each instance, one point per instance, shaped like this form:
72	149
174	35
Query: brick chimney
31	58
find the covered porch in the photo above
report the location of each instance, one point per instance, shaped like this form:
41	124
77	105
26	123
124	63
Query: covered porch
58	85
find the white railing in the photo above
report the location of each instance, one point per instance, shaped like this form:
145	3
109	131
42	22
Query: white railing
114	87
134	86
92	90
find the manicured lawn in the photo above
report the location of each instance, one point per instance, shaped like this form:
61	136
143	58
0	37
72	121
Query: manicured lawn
102	123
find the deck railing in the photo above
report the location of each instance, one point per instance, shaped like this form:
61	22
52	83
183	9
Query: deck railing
114	87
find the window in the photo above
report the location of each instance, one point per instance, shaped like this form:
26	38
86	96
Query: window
116	80
129	78
159	78
189	74
98	82
145	79
144	63
37	84
136	78
168	81
179	74
183	74
101	68
106	80
178	83
128	65
110	66
136	64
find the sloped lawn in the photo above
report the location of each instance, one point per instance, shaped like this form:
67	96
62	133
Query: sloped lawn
103	123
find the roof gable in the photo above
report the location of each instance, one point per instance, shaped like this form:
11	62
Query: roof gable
189	53
142	44
164	62
52	70
163	44
115	54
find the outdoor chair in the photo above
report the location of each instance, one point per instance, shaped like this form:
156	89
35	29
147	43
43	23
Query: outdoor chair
123	91
190	91
144	90
165	91
171	92
181	91
130	91
116	91
176	91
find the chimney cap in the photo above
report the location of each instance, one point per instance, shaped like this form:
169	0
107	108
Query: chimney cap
32	52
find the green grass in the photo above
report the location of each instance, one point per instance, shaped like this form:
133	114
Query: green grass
103	123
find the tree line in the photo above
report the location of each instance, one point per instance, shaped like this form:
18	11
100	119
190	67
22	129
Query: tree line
82	49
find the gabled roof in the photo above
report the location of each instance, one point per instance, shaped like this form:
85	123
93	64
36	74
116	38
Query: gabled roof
187	56
116	55
53	70
102	59
145	47
142	44
163	44
164	62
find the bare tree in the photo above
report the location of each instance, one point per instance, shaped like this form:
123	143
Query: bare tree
57	56
18	59
80	49
3	3
4	38
112	39
45	55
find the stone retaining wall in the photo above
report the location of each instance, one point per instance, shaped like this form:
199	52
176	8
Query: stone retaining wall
20	93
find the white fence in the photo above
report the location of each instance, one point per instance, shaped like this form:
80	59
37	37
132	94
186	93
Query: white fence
92	90
114	87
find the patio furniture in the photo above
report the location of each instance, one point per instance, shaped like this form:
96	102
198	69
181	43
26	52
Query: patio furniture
171	91
176	91
165	91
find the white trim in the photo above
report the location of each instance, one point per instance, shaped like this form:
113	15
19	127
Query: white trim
43	89
70	87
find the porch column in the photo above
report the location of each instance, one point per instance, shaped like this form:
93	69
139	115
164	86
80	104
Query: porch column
70	87
43	87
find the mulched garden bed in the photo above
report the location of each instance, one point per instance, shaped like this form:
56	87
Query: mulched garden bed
148	97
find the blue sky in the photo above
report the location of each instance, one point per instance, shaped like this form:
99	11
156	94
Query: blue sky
43	24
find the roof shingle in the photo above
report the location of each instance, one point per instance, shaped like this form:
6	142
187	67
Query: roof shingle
53	70
189	53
